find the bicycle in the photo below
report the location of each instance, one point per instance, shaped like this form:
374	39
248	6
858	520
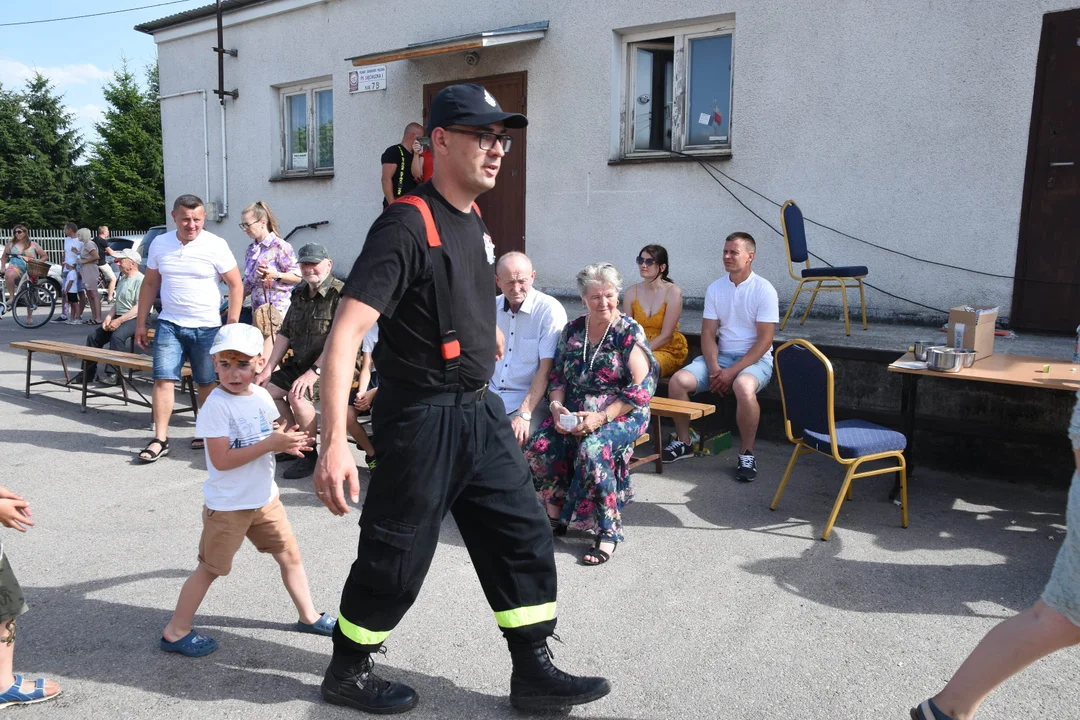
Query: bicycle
36	292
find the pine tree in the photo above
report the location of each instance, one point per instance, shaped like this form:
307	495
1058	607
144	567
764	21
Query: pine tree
16	151
56	187
127	169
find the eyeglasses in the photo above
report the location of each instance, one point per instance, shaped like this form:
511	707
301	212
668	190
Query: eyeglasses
245	226
647	262
487	139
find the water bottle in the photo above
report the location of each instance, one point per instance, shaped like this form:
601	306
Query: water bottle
1076	347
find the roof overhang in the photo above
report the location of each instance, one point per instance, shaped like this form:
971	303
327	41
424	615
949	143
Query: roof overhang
461	43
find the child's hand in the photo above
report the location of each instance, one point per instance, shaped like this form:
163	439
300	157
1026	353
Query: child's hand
290	440
5	493
15	514
363	400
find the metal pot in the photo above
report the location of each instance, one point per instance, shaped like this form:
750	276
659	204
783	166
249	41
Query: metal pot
943	360
967	357
921	347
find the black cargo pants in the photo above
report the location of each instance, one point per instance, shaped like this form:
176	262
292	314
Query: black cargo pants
437	454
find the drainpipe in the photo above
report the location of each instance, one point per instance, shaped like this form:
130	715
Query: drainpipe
224	168
205	137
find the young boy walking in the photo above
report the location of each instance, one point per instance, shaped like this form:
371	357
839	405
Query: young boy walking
241	497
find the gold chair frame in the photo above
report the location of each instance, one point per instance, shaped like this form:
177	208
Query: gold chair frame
824	283
852	464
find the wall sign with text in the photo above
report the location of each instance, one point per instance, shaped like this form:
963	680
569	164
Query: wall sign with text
367	79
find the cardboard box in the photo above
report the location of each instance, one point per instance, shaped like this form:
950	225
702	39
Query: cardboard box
972	327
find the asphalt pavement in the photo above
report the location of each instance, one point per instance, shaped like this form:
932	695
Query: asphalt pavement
713	607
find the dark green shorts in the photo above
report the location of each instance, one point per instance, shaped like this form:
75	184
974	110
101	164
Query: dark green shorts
12	604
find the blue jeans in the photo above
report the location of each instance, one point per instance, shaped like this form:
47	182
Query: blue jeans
173	345
761	370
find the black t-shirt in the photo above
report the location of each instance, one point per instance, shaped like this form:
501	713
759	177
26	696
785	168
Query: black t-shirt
401	158
394	275
101	245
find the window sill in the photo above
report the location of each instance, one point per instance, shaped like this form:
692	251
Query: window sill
289	178
671	157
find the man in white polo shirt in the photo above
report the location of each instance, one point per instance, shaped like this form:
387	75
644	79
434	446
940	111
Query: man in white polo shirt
531	322
737	327
185	265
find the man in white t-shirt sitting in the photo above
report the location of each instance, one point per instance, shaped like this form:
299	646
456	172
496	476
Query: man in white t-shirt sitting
531	322
184	265
741	312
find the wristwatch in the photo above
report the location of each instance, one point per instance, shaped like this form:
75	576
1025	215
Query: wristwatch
525	415
315	369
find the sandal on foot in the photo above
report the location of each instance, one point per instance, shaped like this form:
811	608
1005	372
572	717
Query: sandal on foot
323	626
148	456
557	528
197	443
15	696
600	556
191	645
927	710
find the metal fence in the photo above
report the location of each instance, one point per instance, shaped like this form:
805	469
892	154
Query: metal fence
52	241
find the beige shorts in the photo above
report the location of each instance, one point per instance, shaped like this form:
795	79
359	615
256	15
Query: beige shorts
224	532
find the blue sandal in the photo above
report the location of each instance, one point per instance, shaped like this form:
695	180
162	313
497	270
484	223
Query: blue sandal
191	645
15	696
323	626
927	710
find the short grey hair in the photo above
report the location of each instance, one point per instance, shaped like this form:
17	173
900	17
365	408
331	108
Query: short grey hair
599	274
83	234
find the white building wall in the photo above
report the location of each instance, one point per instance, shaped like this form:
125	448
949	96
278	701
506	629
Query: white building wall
905	124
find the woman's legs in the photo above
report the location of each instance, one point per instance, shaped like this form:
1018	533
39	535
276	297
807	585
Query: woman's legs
1006	650
11	276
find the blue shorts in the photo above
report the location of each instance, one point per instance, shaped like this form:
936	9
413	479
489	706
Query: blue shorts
173	345
760	371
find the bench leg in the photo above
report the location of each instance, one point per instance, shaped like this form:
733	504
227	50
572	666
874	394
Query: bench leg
29	362
84	384
659	445
194	398
63	364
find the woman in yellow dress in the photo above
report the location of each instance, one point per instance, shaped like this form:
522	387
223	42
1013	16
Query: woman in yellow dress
656	304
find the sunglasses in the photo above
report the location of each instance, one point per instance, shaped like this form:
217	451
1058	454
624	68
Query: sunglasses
647	262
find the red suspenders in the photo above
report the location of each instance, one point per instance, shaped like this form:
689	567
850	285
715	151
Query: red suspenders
451	348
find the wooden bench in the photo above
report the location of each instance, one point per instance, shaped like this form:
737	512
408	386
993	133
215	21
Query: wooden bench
636	462
662	407
122	360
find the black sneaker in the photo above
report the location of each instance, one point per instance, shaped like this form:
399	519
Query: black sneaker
285	457
360	688
76	379
746	470
677	450
302	467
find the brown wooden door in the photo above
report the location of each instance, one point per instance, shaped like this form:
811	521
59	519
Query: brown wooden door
1049	247
503	207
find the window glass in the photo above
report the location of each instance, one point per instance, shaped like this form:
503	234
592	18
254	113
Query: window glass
654	65
324	121
296	132
709	108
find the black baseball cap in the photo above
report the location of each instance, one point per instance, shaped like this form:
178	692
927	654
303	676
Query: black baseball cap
472	105
312	253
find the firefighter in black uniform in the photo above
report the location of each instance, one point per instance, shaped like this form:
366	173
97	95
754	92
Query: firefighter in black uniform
426	274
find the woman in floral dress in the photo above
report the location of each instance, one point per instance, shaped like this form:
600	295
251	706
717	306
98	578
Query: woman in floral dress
604	375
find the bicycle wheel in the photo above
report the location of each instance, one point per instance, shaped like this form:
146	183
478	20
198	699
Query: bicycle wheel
34	305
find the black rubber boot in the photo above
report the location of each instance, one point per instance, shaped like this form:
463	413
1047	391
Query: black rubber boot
536	684
356	686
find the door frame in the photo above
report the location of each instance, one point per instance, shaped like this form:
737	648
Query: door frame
1041	71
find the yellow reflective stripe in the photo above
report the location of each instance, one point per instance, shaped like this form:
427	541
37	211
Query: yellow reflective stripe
519	617
359	635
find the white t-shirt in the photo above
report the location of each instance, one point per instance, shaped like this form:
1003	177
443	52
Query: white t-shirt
738	308
245	420
368	343
531	334
189	277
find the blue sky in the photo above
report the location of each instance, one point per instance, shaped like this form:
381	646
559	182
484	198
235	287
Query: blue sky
78	55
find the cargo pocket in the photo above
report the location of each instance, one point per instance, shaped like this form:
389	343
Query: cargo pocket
385	555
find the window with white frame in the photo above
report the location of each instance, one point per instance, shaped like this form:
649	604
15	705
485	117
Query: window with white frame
307	129
676	89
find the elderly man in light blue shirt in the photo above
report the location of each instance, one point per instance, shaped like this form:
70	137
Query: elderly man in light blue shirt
531	322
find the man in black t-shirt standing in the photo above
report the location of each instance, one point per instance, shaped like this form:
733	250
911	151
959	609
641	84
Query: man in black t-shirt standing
397	177
443	441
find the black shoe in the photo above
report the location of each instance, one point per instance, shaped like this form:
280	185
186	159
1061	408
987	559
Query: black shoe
677	450
285	457
358	687
746	470
76	379
536	684
302	467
